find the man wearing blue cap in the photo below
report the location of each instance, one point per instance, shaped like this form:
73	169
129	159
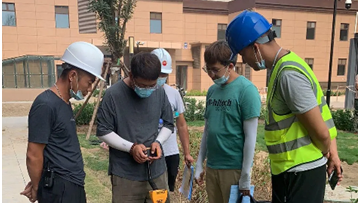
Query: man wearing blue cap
299	129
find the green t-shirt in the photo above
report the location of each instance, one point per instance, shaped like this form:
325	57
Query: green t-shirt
226	109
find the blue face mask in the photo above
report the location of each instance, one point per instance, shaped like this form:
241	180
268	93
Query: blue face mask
78	95
223	79
143	92
161	81
261	64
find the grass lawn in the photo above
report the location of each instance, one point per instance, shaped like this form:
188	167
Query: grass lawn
347	144
97	181
196	123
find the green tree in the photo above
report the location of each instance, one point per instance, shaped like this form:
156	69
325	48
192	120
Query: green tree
113	16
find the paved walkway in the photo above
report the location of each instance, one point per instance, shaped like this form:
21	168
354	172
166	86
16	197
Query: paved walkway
14	172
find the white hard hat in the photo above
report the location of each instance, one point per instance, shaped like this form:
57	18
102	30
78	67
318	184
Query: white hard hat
85	56
165	60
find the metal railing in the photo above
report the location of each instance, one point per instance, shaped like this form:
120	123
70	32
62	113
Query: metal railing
263	93
182	94
351	88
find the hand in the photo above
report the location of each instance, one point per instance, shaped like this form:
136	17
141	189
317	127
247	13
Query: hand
188	160
33	194
138	153
327	155
245	192
27	190
155	148
200	180
30	192
334	163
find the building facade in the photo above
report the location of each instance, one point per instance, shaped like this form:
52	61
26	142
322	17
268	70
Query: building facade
36	33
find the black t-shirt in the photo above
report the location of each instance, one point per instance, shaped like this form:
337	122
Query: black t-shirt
51	122
137	120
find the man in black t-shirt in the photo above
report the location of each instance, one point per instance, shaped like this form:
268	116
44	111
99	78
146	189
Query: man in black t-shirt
53	157
128	121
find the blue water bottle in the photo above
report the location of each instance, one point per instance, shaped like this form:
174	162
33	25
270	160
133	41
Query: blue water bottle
176	114
161	123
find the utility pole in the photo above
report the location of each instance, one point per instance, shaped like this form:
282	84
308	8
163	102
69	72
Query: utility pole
331	54
131	48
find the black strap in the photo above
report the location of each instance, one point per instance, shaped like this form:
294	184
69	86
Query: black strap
150	180
272	35
252	200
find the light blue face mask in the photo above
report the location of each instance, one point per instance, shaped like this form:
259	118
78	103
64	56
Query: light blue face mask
78	95
161	81
223	79
143	92
261	64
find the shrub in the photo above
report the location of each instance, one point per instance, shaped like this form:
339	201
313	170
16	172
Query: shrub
345	120
96	93
196	93
194	110
334	93
262	112
86	114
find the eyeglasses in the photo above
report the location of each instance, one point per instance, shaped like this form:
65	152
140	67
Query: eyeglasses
149	88
211	71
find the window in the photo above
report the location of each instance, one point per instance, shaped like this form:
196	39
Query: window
344	30
310	32
238	70
62	16
155	22
181	76
341	67
243	69
247	72
59	70
28	72
87	18
310	62
277	27
8	14
221	31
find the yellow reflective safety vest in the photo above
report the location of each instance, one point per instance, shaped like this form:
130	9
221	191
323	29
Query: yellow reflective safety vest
286	138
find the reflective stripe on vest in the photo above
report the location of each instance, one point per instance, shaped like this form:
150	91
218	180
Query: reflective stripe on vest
285	137
286	123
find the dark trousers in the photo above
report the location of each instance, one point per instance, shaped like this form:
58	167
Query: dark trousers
62	191
356	108
307	186
172	164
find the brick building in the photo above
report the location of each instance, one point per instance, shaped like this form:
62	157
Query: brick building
36	33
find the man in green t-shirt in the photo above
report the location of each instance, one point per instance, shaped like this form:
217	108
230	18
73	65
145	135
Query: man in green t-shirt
232	109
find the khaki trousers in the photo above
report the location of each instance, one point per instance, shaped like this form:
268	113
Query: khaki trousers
218	184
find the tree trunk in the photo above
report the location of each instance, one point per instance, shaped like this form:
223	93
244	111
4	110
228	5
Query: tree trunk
87	99
114	74
125	69
97	104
